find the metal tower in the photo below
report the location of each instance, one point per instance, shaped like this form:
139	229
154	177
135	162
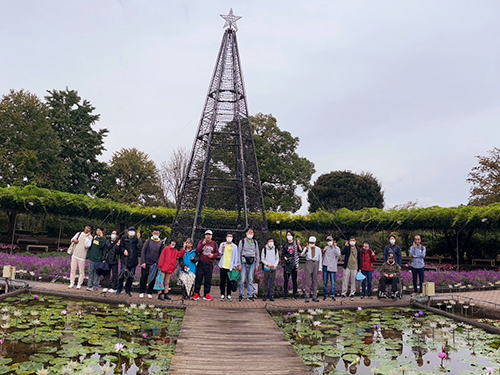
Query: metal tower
221	190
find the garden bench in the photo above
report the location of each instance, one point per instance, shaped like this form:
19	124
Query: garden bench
28	241
37	247
490	262
434	259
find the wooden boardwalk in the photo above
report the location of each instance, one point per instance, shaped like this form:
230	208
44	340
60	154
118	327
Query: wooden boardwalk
233	341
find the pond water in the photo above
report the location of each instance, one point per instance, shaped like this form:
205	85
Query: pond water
389	341
51	335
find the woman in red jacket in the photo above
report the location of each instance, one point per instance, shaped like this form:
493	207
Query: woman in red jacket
167	263
367	259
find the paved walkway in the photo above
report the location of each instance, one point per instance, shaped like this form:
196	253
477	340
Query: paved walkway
218	340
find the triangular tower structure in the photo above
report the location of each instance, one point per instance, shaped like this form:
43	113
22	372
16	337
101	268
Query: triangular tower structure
221	190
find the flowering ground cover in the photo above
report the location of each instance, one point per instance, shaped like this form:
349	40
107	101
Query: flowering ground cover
389	341
48	335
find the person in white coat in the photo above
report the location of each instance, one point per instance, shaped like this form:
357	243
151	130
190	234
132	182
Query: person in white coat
270	259
313	266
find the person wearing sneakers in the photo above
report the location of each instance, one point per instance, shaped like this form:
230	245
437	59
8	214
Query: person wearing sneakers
230	260
352	265
95	255
129	250
331	256
389	274
207	251
249	260
149	256
167	264
394	249
417	254
270	259
110	280
290	262
367	259
82	241
313	266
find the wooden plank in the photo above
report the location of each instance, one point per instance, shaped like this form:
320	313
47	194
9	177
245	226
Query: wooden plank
233	341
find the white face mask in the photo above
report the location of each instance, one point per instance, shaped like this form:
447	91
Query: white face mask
392	242
289	238
330	243
155	237
270	245
229	239
352	243
113	236
312	246
131	233
249	236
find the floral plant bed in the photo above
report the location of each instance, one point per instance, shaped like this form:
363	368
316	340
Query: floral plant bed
50	335
389	341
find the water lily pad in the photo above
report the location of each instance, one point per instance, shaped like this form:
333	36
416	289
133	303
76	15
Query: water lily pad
41	357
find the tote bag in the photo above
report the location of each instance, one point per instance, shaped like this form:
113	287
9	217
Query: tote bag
159	283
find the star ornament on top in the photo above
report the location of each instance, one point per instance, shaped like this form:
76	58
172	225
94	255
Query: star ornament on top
230	20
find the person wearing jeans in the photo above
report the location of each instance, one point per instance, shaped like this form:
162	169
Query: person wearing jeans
352	265
367	259
95	255
417	254
331	256
249	260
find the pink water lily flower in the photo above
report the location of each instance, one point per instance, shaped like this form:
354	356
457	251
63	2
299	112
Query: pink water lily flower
144	335
119	347
442	355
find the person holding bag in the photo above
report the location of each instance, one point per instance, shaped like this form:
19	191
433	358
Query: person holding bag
367	260
230	260
149	256
249	260
167	264
270	260
80	243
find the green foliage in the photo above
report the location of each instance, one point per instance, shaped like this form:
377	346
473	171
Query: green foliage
30	147
344	189
281	169
485	179
72	120
134	179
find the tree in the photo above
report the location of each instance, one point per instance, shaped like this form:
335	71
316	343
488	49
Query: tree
344	189
485	179
135	179
172	174
30	147
281	169
72	119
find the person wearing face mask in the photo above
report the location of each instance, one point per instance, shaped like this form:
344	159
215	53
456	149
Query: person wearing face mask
392	248
110	281
290	262
367	259
167	264
352	265
249	260
331	256
313	266
149	255
229	260
417	254
130	247
390	272
95	255
270	260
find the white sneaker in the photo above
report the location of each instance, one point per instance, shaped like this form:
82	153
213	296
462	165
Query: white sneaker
70	286
89	288
105	290
150	296
222	298
111	290
78	286
141	295
229	298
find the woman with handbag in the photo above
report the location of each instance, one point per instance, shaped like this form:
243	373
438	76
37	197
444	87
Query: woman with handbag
270	259
229	261
188	275
167	264
80	244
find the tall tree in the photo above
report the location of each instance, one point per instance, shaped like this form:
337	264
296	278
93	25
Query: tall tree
344	189
72	118
30	147
485	179
282	171
172	173
135	179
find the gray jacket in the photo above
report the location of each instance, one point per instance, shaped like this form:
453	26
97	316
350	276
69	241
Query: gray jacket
331	256
248	249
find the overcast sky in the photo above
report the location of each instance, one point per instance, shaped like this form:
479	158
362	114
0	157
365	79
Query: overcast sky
406	90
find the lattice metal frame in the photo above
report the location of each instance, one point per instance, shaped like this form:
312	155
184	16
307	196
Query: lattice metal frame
222	174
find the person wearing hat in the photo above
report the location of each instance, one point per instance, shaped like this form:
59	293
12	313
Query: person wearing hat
313	266
331	256
229	261
129	250
96	254
82	241
207	251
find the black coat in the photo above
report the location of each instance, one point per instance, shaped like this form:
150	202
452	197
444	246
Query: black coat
347	253
111	252
134	247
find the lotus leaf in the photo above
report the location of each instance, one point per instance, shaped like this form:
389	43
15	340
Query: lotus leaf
4	369
42	358
5	361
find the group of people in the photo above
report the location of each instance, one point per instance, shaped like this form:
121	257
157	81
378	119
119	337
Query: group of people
237	264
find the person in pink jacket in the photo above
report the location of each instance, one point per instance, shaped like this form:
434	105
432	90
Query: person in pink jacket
167	263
